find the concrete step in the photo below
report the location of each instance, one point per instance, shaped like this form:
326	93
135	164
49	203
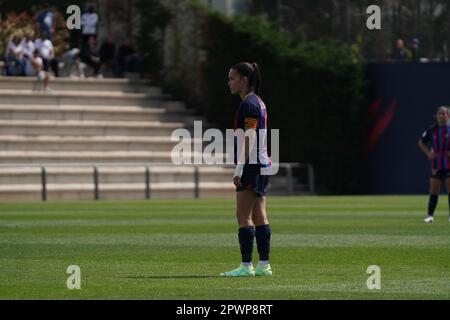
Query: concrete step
127	191
88	128
84	98
40	157
112	174
101	122
90	113
70	84
88	143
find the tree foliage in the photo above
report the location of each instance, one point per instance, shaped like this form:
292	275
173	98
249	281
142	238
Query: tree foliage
314	90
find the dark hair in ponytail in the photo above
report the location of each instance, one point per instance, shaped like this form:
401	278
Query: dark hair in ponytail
253	74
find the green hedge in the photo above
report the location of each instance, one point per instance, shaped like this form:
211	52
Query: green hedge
314	92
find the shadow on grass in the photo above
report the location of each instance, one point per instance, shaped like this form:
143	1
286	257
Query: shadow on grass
170	277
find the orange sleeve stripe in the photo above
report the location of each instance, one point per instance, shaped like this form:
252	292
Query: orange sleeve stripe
251	123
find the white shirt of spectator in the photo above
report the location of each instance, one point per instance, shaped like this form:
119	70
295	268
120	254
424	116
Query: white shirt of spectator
45	47
89	23
28	47
48	20
13	51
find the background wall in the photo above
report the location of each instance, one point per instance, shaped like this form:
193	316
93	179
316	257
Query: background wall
404	99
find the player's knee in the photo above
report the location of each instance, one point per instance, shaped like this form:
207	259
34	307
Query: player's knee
434	190
243	219
259	219
447	186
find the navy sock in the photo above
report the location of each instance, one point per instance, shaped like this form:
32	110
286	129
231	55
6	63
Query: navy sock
263	234
432	203
246	239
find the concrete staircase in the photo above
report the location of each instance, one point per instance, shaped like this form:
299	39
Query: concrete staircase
120	127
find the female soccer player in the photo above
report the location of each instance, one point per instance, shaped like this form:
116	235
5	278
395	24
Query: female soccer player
250	181
435	144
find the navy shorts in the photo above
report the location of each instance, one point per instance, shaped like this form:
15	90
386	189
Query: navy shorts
440	174
252	179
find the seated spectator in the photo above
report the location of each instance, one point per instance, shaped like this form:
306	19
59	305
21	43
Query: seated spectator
72	58
128	59
90	56
47	52
108	50
15	62
28	46
35	67
108	53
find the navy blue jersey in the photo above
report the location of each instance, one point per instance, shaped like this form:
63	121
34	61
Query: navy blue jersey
252	114
437	138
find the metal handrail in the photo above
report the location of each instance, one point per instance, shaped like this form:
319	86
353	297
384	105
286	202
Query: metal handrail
147	172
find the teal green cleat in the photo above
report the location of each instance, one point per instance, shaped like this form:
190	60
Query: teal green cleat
241	271
263	271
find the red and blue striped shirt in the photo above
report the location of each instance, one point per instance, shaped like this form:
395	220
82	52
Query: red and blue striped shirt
437	138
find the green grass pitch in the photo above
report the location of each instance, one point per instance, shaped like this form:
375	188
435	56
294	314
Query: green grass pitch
175	249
